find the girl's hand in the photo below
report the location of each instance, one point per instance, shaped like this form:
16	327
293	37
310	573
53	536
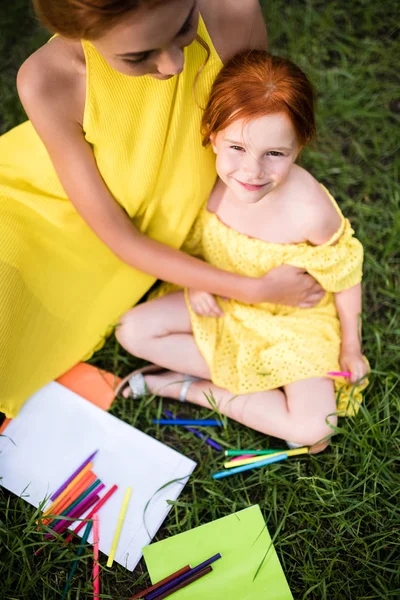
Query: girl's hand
352	360
204	304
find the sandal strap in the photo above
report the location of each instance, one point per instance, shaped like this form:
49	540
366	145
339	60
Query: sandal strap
187	382
137	385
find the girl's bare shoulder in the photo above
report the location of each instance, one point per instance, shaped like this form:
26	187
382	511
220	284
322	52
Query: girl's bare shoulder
312	206
234	25
54	78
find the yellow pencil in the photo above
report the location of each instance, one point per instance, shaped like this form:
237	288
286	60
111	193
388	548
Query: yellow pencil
117	533
69	487
249	461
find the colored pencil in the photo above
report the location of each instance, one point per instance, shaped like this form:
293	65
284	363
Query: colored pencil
184	577
72	496
74	516
199	434
72	477
144	593
78	506
255	459
339	373
96	566
241	457
191	422
80	499
184	583
120	523
262	463
95	509
67	490
252	452
75	563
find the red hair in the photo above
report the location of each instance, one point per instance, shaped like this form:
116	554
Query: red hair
253	84
86	19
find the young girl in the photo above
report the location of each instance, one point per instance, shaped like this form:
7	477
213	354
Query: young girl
266	365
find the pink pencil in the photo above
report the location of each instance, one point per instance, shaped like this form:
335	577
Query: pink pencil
241	457
96	566
339	373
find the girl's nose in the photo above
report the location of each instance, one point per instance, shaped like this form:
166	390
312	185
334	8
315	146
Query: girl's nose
171	61
253	167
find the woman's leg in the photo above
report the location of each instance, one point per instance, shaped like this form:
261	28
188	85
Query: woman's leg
297	414
160	331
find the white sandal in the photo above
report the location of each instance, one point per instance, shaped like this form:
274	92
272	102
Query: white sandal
137	384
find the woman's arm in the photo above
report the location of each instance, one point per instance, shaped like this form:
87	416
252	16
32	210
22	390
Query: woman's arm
51	93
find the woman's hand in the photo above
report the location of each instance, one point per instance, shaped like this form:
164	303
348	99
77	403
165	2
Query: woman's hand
204	304
351	359
287	285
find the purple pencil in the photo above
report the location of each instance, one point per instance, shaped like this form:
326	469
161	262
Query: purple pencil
200	435
88	504
74	474
174	582
77	508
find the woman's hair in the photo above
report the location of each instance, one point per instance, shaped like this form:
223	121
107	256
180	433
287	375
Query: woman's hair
254	84
85	19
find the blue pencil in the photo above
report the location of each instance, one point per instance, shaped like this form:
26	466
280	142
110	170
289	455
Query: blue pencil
185	422
261	463
200	435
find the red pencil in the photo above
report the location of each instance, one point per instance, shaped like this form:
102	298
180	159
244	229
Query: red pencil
157	585
94	510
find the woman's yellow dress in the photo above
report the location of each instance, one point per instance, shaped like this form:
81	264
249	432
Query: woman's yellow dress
260	347
61	288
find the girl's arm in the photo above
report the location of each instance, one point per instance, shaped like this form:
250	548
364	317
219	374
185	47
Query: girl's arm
51	93
349	307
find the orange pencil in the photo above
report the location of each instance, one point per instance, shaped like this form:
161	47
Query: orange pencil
86	482
67	490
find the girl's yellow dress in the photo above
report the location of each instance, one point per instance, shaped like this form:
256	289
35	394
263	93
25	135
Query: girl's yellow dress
61	288
266	346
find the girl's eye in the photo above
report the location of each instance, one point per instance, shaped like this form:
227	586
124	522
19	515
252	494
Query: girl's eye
237	148
274	153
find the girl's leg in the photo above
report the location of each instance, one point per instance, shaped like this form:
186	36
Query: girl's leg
160	332
297	414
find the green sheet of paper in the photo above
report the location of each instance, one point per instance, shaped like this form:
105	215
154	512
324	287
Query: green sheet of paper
243	540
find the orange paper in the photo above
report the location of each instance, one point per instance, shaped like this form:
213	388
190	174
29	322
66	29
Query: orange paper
91	383
87	381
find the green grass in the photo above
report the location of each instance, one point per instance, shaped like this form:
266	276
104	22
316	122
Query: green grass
334	517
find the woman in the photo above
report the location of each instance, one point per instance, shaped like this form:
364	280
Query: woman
101	186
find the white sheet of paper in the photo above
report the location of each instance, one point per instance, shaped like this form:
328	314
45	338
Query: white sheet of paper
56	430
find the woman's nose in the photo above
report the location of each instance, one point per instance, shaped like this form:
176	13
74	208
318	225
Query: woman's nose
171	61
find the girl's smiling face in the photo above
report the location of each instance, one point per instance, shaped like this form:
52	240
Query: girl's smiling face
255	157
150	41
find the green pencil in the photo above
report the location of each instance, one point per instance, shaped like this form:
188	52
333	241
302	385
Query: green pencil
75	563
75	503
255	452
